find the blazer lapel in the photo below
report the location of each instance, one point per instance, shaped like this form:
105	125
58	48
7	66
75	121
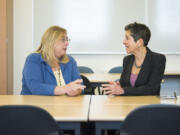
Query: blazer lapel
129	68
49	69
145	67
62	66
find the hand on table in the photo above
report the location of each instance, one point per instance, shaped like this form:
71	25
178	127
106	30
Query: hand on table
113	88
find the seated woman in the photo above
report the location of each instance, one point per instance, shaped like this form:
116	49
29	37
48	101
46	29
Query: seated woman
49	71
142	70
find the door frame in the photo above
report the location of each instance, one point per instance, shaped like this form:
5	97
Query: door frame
6	47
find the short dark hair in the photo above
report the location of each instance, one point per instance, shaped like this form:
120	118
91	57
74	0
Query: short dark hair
139	31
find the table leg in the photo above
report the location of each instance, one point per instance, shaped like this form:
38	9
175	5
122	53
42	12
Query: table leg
75	126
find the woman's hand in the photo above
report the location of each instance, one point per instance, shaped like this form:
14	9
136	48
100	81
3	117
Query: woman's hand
113	88
75	88
72	89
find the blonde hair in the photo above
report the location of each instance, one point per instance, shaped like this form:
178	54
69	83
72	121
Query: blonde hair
46	48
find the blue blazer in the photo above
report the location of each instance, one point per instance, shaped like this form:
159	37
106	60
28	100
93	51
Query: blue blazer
38	77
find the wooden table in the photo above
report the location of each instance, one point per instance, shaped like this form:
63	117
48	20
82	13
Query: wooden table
172	74
69	112
105	111
62	108
116	108
108	112
103	77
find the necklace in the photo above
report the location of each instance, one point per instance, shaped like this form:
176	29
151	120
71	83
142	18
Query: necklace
136	64
59	74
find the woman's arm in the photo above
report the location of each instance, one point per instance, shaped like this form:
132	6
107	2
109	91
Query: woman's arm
33	77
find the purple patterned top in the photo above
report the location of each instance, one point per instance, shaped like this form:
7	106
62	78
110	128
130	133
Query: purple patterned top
133	78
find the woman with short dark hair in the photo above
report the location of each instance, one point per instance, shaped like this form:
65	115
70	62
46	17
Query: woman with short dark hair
143	69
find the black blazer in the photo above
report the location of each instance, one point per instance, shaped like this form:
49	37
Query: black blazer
149	78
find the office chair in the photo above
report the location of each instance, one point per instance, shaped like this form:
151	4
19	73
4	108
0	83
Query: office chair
88	90
26	120
84	69
118	69
159	119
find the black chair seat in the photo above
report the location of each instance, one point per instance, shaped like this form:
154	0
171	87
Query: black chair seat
89	90
117	69
159	119
84	69
26	120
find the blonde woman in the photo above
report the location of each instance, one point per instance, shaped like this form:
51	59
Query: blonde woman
50	71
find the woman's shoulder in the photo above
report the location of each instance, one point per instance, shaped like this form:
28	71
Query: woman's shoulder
155	55
34	57
158	56
71	59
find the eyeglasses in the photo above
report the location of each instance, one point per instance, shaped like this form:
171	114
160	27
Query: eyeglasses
66	39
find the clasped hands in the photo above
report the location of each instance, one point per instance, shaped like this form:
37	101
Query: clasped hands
113	88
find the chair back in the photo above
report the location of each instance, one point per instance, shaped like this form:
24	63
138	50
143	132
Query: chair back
84	69
88	90
159	119
26	120
118	69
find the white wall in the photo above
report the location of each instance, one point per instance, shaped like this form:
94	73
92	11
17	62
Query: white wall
98	25
93	25
23	38
23	45
163	20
